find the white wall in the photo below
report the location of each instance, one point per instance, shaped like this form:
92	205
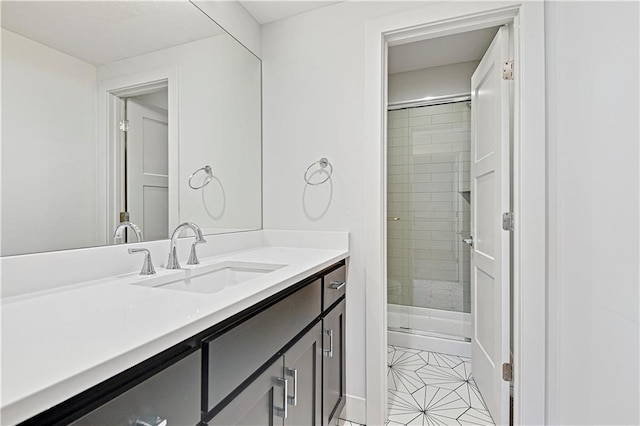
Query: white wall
219	124
313	88
313	106
593	143
43	90
235	19
445	80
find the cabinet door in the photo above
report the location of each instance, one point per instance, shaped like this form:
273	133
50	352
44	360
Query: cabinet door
303	366
333	372
171	397
262	403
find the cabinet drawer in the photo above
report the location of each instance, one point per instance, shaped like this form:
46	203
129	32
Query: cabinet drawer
334	286
230	358
171	397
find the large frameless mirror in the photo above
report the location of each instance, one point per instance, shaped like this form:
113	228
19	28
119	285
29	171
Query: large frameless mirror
134	112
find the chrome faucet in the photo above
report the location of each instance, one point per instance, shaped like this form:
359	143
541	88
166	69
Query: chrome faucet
173	263
126	224
147	266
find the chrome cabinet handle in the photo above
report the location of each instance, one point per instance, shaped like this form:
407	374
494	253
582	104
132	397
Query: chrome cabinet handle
393	218
337	285
329	352
283	412
468	241
293	372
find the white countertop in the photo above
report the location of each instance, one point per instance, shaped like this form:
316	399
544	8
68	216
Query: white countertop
60	342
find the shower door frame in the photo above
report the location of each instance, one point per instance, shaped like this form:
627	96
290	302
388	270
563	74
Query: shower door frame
457	339
529	183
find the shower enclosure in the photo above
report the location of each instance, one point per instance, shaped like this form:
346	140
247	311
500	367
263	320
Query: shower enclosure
428	290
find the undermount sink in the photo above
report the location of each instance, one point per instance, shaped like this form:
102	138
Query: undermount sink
214	278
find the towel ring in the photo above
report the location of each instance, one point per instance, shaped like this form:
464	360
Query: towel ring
323	163
208	171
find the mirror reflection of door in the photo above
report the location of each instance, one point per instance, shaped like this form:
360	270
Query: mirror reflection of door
147	167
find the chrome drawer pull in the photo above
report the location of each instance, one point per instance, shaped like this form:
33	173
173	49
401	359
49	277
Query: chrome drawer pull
329	352
337	285
293	372
283	412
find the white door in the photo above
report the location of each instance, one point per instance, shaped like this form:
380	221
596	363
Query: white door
490	198
148	169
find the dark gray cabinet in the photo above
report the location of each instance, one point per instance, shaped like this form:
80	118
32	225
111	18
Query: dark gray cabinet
314	364
263	402
231	357
303	368
171	397
287	393
333	374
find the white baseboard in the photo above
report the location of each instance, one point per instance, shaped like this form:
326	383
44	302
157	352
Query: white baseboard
355	410
427	343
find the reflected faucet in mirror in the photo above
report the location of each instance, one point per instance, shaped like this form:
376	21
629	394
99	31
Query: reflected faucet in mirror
118	233
173	263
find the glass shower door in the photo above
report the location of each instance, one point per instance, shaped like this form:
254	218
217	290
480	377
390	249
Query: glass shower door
428	208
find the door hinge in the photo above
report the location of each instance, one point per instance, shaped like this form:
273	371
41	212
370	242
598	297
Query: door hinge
507	70
124	125
507	221
507	372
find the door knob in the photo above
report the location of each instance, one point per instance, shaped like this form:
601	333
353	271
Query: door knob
468	241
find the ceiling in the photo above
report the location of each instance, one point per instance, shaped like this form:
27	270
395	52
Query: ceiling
99	32
269	11
435	52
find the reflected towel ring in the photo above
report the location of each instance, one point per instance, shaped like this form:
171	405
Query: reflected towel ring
323	163
208	171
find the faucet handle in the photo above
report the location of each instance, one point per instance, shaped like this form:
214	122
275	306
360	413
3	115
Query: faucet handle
193	256
147	266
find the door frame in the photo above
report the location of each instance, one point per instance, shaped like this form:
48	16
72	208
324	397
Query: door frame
529	188
111	148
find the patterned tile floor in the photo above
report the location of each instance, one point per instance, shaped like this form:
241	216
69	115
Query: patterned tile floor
429	388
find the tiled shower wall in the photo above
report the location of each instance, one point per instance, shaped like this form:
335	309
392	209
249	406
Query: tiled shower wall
428	184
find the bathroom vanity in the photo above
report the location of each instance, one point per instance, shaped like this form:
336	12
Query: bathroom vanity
252	335
267	350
